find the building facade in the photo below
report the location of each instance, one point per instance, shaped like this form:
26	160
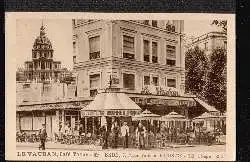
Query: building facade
42	67
209	42
136	54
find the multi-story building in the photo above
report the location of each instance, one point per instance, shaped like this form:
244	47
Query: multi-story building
210	41
42	67
136	54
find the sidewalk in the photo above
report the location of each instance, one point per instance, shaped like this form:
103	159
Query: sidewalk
52	145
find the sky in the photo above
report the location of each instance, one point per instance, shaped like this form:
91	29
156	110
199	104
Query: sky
60	34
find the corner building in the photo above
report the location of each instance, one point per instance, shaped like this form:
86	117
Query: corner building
135	53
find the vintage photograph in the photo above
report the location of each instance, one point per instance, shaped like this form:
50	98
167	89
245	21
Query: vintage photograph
121	85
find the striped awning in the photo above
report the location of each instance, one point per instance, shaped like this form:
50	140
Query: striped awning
111	104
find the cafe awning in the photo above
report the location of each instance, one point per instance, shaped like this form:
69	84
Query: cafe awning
206	116
111	104
146	115
173	116
206	106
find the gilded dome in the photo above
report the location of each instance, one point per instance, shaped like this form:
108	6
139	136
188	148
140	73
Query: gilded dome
42	41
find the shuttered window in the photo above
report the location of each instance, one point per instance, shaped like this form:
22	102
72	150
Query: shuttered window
128	47
94	47
171	55
154	52
146	50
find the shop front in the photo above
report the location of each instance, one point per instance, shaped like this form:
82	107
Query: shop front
30	117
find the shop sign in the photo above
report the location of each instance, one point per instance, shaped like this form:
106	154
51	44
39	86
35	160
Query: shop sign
155	101
160	91
122	112
110	113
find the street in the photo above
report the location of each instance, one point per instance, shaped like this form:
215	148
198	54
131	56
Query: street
176	148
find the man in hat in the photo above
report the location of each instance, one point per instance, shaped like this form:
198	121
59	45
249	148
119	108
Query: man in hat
43	136
125	134
105	134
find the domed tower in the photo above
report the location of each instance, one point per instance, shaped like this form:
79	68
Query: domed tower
42	67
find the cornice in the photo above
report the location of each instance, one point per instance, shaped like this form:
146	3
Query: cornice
115	61
154	28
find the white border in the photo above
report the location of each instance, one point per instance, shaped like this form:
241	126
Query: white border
10	111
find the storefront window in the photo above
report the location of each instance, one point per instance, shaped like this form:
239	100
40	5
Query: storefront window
129	81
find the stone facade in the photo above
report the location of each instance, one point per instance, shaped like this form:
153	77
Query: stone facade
210	41
39	92
122	54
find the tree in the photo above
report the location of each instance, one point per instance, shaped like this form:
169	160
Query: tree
215	92
196	64
220	23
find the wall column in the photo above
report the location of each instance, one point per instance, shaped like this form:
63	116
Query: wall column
63	121
57	121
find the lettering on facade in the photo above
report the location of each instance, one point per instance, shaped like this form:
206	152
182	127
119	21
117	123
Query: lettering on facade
167	102
160	91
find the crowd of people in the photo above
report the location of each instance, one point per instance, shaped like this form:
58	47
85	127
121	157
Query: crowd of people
114	135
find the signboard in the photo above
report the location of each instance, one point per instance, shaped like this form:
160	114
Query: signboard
110	113
166	102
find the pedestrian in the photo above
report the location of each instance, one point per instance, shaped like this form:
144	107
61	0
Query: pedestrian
115	132
125	134
140	135
43	136
81	130
105	135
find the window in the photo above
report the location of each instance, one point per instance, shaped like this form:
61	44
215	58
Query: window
146	50
171	55
170	62
155	81
26	86
94	81
94	47
129	81
154	52
171	83
154	23
146	22
74	59
205	45
93	92
225	45
128	47
94	84
74	47
146	80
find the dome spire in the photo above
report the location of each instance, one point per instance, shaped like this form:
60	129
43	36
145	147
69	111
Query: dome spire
42	30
